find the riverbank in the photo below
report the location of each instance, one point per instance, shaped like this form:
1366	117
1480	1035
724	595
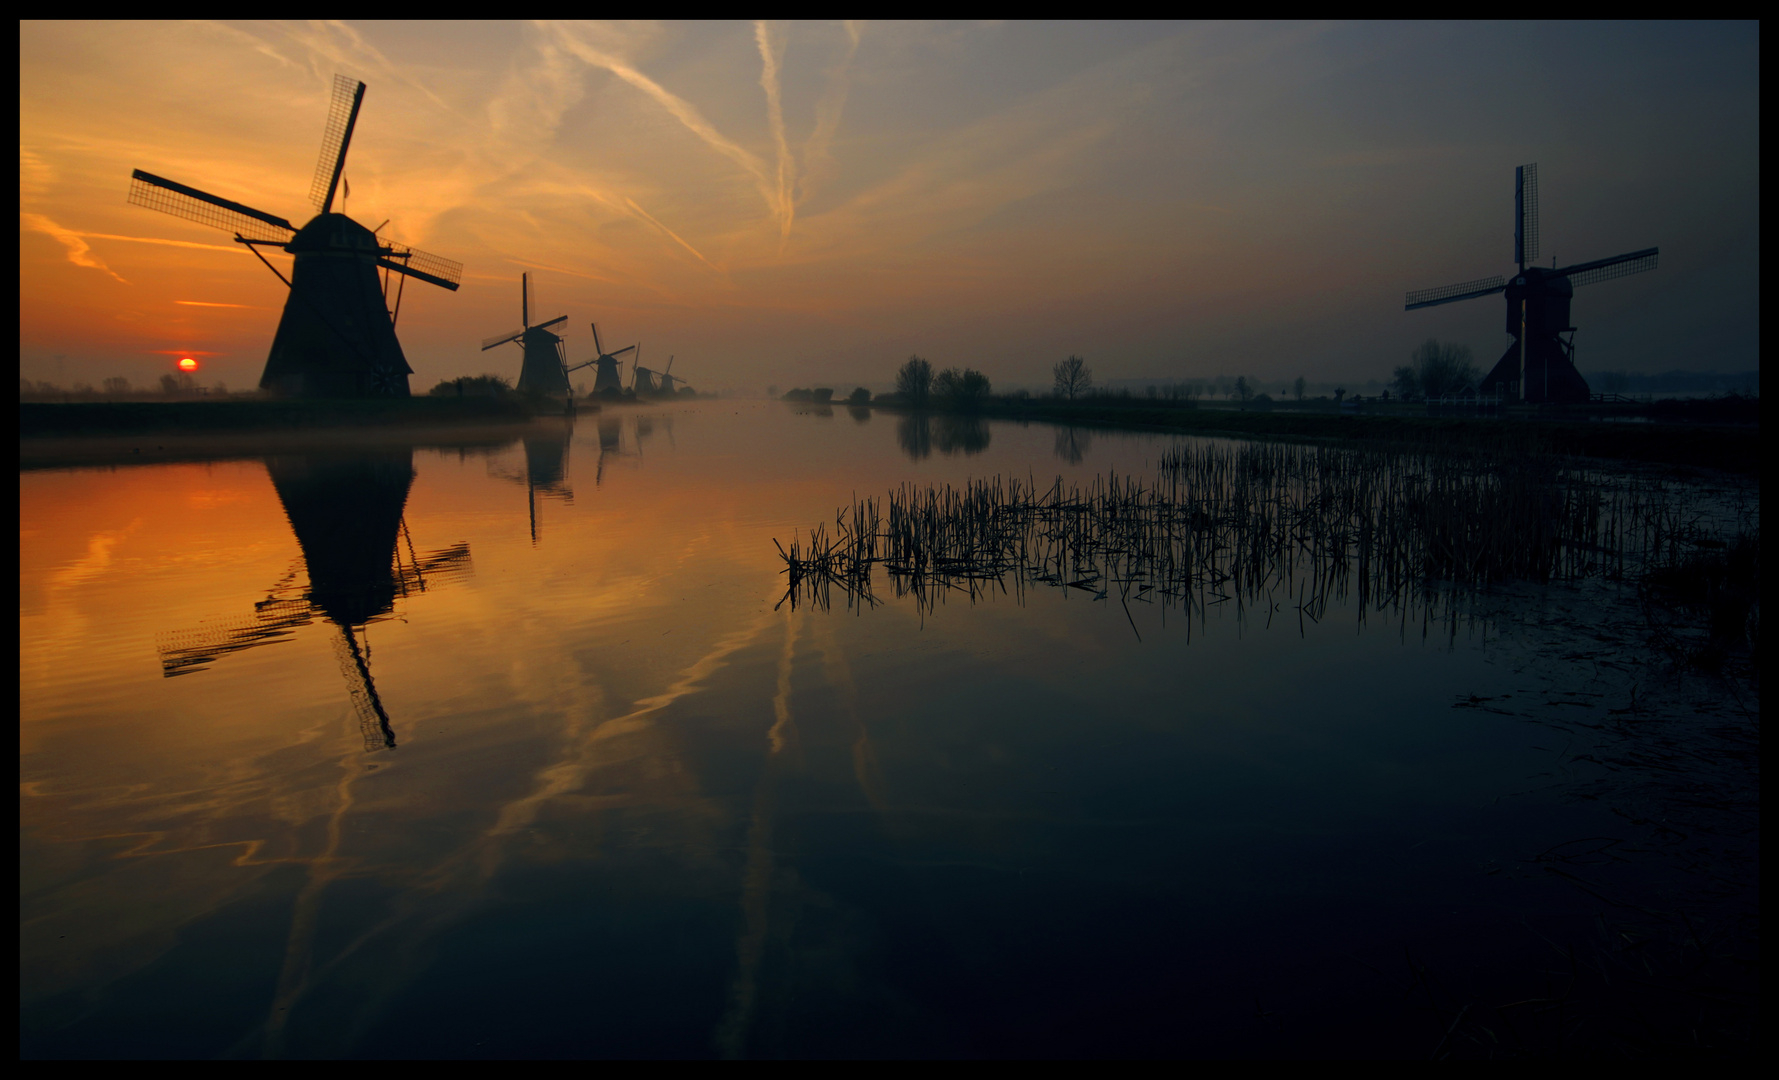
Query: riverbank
1646	435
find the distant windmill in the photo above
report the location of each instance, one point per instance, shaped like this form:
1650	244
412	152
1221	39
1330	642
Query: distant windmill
1539	366
606	374
667	380
337	335
642	379
347	516
545	369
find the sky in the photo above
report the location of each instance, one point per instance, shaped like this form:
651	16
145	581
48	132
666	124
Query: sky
785	204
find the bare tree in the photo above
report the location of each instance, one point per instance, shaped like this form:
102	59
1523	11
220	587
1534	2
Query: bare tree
1073	377
914	381
1437	369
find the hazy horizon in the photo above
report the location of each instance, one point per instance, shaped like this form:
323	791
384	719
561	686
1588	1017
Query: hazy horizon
809	203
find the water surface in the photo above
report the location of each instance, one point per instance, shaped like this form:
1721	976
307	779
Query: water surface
435	751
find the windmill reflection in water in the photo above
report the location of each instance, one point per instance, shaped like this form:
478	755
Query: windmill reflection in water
346	512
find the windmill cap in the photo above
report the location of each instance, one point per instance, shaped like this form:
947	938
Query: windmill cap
334	233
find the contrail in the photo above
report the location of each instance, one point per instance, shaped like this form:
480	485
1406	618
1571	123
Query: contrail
650	218
681	110
827	115
775	119
79	253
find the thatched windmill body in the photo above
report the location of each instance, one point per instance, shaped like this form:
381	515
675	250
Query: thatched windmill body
1539	366
336	337
545	369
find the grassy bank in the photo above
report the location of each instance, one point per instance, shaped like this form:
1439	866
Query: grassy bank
1655	438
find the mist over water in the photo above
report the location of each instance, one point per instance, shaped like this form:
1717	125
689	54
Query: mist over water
519	750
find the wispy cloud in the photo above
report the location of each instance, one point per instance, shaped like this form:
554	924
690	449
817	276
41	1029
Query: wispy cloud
207	303
79	252
680	109
785	206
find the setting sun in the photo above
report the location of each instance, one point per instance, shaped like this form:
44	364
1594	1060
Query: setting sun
188	364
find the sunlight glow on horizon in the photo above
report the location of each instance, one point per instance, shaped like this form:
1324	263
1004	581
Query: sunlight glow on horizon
803	202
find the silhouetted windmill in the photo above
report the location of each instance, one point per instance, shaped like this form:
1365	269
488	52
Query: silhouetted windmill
1539	365
606	375
545	369
346	513
667	379
642	379
337	335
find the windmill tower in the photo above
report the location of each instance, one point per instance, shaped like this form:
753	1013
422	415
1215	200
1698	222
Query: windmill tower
605	375
642	379
1539	366
346	512
336	337
667	380
545	370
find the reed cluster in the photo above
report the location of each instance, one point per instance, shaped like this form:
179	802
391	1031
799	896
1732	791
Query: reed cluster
1250	523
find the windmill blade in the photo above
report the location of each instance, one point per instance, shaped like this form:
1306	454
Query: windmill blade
669	365
1618	266
553	322
1451	294
171	197
502	339
342	116
1525	214
597	350
355	665
434	269
621	352
582	364
273	621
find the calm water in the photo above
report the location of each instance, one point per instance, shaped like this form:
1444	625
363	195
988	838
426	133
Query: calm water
566	782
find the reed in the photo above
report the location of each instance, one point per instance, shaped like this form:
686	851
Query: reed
1254	523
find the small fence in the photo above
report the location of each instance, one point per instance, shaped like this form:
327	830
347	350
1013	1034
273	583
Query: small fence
1473	404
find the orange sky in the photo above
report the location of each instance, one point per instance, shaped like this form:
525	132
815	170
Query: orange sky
796	203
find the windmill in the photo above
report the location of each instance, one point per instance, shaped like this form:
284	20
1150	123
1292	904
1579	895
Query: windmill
667	380
346	513
642	379
545	369
1539	366
605	375
336	337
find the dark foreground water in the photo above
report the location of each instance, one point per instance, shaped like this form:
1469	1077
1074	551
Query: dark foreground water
512	751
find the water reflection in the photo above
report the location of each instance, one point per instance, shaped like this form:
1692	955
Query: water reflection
920	433
346	512
1073	443
546	467
859	413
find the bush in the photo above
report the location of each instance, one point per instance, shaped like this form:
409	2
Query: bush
473	386
859	396
822	395
962	389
